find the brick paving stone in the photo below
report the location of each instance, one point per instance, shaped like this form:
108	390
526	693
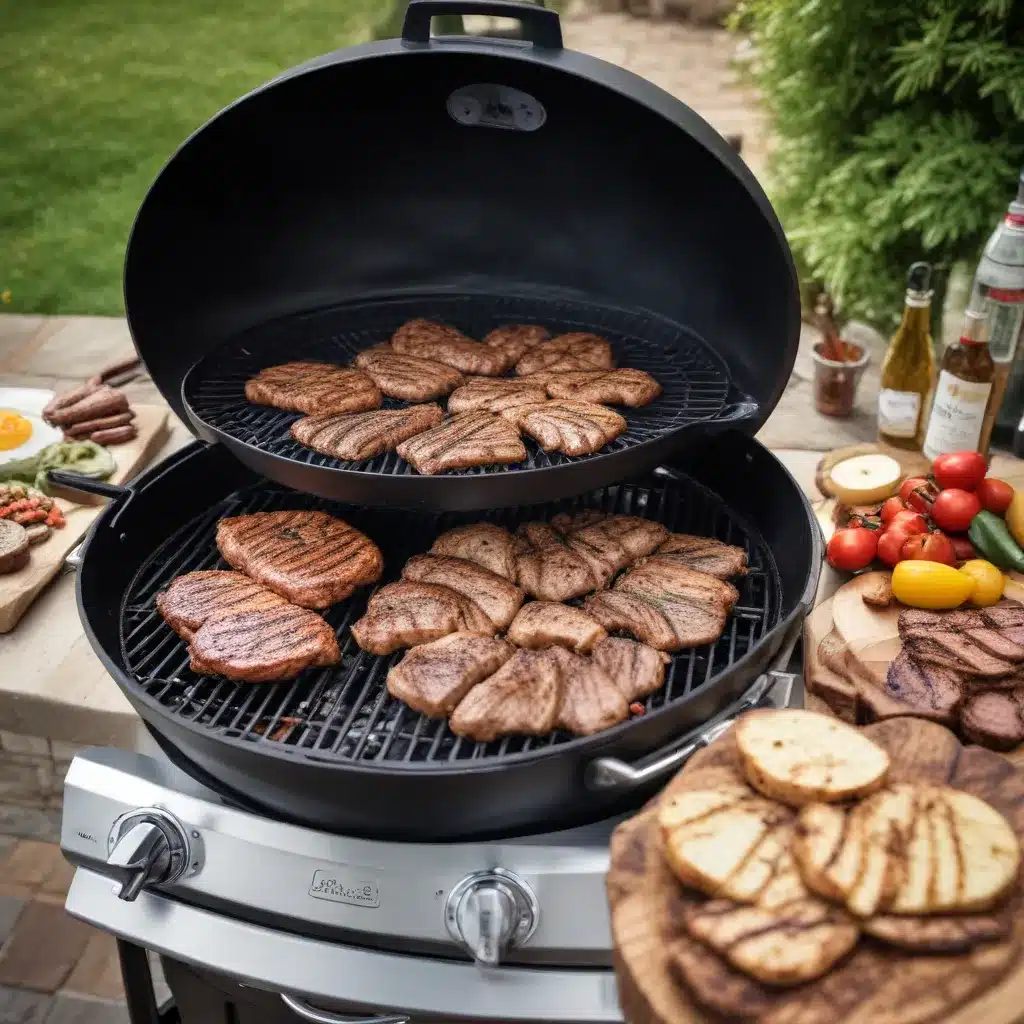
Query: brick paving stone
98	972
29	823
31	863
10	911
75	1010
44	948
20	1007
58	881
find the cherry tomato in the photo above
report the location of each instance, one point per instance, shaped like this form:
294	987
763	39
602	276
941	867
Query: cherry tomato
853	548
890	507
910	522
953	509
929	547
917	493
965	470
890	544
994	495
962	548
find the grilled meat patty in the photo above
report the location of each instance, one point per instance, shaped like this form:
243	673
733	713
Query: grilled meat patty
524	696
624	386
312	387
264	645
548	568
311	558
364	435
198	597
567	353
430	340
677	583
495	394
591	701
434	677
994	719
498	599
932	691
638	670
515	340
637	536
405	614
546	624
408	377
483	543
573	428
705	554
468	439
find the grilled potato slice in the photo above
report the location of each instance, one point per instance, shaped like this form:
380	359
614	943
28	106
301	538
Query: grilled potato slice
802	757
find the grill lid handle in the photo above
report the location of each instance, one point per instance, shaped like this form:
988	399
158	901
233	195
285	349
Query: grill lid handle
302	1009
540	26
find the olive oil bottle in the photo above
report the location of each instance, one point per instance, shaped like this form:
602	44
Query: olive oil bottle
908	372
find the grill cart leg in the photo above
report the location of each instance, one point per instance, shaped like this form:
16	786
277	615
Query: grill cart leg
138	987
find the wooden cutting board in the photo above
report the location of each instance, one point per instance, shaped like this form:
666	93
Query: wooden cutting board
869	987
19	589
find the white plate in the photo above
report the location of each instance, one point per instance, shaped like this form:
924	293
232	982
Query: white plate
29	402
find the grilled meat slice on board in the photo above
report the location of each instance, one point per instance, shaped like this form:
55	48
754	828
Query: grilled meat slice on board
495	394
636	535
198	597
483	543
637	669
498	599
567	353
546	623
264	645
364	435
591	701
313	387
515	340
994	718
434	677
311	558
430	340
705	554
548	568
467	439
573	428
624	386
408	377
405	614
933	691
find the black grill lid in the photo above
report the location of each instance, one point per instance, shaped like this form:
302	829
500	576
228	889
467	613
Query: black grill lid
358	177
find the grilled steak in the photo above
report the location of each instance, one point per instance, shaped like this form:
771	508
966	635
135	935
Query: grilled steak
261	646
995	630
430	340
434	677
312	387
405	614
590	699
994	719
636	669
566	354
468	439
951	649
573	428
637	536
495	394
498	599
484	543
931	690
705	554
366	434
677	583
198	597
408	377
311	558
1006	615
548	568
515	340
622	612
624	386
545	624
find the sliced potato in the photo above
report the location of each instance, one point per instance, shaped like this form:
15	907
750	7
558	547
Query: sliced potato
802	757
952	933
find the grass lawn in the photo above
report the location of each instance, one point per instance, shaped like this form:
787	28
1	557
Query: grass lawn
96	94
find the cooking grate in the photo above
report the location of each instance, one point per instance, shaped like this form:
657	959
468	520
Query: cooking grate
344	714
696	382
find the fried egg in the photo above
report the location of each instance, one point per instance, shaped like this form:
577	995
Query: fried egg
23	434
15	430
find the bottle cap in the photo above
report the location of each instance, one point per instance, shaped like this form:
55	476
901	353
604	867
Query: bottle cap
919	277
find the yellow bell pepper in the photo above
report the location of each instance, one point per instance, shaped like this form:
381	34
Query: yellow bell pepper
1015	517
988	582
933	585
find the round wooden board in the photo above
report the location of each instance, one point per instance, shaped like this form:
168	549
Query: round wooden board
871	634
876	984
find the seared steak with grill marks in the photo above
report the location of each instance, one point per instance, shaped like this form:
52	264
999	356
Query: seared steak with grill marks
515	340
198	597
951	649
498	599
495	394
590	699
434	677
261	646
548	568
468	439
997	630
624	386
574	428
627	613
430	340
484	543
994	719
364	435
705	554
677	583
636	669
637	536
545	624
312	387
931	690
567	353
405	614
310	558
523	696
408	377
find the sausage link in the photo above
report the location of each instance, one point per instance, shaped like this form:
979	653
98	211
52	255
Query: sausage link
88	427
67	398
115	435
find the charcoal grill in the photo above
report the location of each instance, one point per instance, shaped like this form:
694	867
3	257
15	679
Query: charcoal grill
315	839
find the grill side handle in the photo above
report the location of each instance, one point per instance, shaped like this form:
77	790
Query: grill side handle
540	26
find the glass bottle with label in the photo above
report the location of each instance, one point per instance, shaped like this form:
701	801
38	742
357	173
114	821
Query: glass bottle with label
958	420
909	368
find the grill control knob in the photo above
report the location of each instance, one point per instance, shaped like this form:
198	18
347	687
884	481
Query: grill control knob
147	847
490	911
